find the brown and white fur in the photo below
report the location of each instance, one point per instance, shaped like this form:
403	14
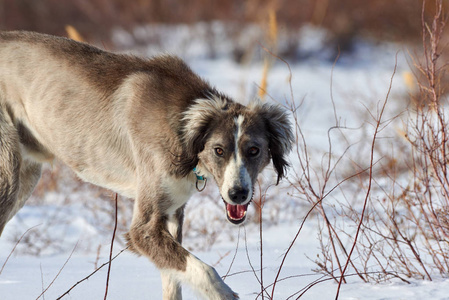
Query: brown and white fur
138	127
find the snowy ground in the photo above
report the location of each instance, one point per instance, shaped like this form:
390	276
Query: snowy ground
360	80
25	277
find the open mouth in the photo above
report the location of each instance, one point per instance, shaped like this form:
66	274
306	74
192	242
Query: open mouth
236	213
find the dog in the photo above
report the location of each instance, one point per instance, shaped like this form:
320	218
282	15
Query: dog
149	129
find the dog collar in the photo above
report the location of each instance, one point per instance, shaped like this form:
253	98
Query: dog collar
197	174
199	178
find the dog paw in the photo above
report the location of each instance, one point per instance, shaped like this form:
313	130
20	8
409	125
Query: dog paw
228	294
205	280
216	289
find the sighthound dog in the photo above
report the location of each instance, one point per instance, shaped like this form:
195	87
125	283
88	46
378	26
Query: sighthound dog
149	129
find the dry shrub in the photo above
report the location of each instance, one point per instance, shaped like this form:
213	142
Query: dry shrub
402	229
424	201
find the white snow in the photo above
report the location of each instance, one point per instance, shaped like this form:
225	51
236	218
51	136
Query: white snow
24	277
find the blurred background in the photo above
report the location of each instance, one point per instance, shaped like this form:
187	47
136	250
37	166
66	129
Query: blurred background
99	20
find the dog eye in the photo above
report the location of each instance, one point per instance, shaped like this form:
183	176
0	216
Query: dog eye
219	151
253	151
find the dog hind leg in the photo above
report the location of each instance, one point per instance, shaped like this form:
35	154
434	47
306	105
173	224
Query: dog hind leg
30	173
18	177
9	170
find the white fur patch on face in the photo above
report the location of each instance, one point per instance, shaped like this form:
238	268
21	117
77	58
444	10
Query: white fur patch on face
238	132
236	174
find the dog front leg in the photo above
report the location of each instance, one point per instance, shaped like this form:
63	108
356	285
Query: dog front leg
171	287
149	236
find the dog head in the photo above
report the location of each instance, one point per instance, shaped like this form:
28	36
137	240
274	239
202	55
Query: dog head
233	143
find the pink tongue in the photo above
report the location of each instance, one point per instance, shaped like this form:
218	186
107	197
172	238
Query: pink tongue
236	212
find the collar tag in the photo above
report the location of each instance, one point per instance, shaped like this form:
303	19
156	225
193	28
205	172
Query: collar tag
199	178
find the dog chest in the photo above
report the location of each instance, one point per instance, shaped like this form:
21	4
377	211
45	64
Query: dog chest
179	191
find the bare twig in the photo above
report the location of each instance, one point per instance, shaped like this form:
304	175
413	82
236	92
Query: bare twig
261	204
250	264
90	275
365	203
59	272
233	258
15	246
221	258
112	247
42	281
302	225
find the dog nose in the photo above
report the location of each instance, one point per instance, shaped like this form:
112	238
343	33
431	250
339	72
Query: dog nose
238	195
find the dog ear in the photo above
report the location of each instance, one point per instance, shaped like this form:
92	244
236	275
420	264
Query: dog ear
196	126
279	134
